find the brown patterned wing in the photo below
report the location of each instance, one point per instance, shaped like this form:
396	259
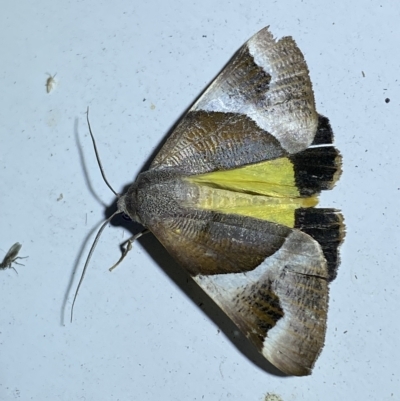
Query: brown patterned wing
260	107
272	281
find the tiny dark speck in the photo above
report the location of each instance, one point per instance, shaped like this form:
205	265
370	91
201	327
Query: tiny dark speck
387	100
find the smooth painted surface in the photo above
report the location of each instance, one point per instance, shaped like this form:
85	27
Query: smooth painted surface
145	332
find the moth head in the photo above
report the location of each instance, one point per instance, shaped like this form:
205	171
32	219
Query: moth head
127	204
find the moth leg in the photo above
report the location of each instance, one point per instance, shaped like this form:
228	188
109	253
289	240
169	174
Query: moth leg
128	248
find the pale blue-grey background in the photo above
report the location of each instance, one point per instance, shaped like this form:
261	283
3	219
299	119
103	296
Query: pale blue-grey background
145	332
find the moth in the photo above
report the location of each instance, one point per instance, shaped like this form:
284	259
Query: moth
232	194
50	83
11	257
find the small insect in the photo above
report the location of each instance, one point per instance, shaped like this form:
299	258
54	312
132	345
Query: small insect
11	257
50	83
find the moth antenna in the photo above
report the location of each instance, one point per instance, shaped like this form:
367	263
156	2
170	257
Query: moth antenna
96	240
98	157
128	248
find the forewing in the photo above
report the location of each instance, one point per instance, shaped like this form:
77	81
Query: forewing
260	107
269	279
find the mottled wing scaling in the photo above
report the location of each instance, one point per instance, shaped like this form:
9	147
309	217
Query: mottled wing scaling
261	106
272	281
281	305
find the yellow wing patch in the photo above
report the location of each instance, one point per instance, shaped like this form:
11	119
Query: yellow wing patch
264	190
270	178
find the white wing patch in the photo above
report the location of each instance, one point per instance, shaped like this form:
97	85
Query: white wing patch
297	274
287	109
